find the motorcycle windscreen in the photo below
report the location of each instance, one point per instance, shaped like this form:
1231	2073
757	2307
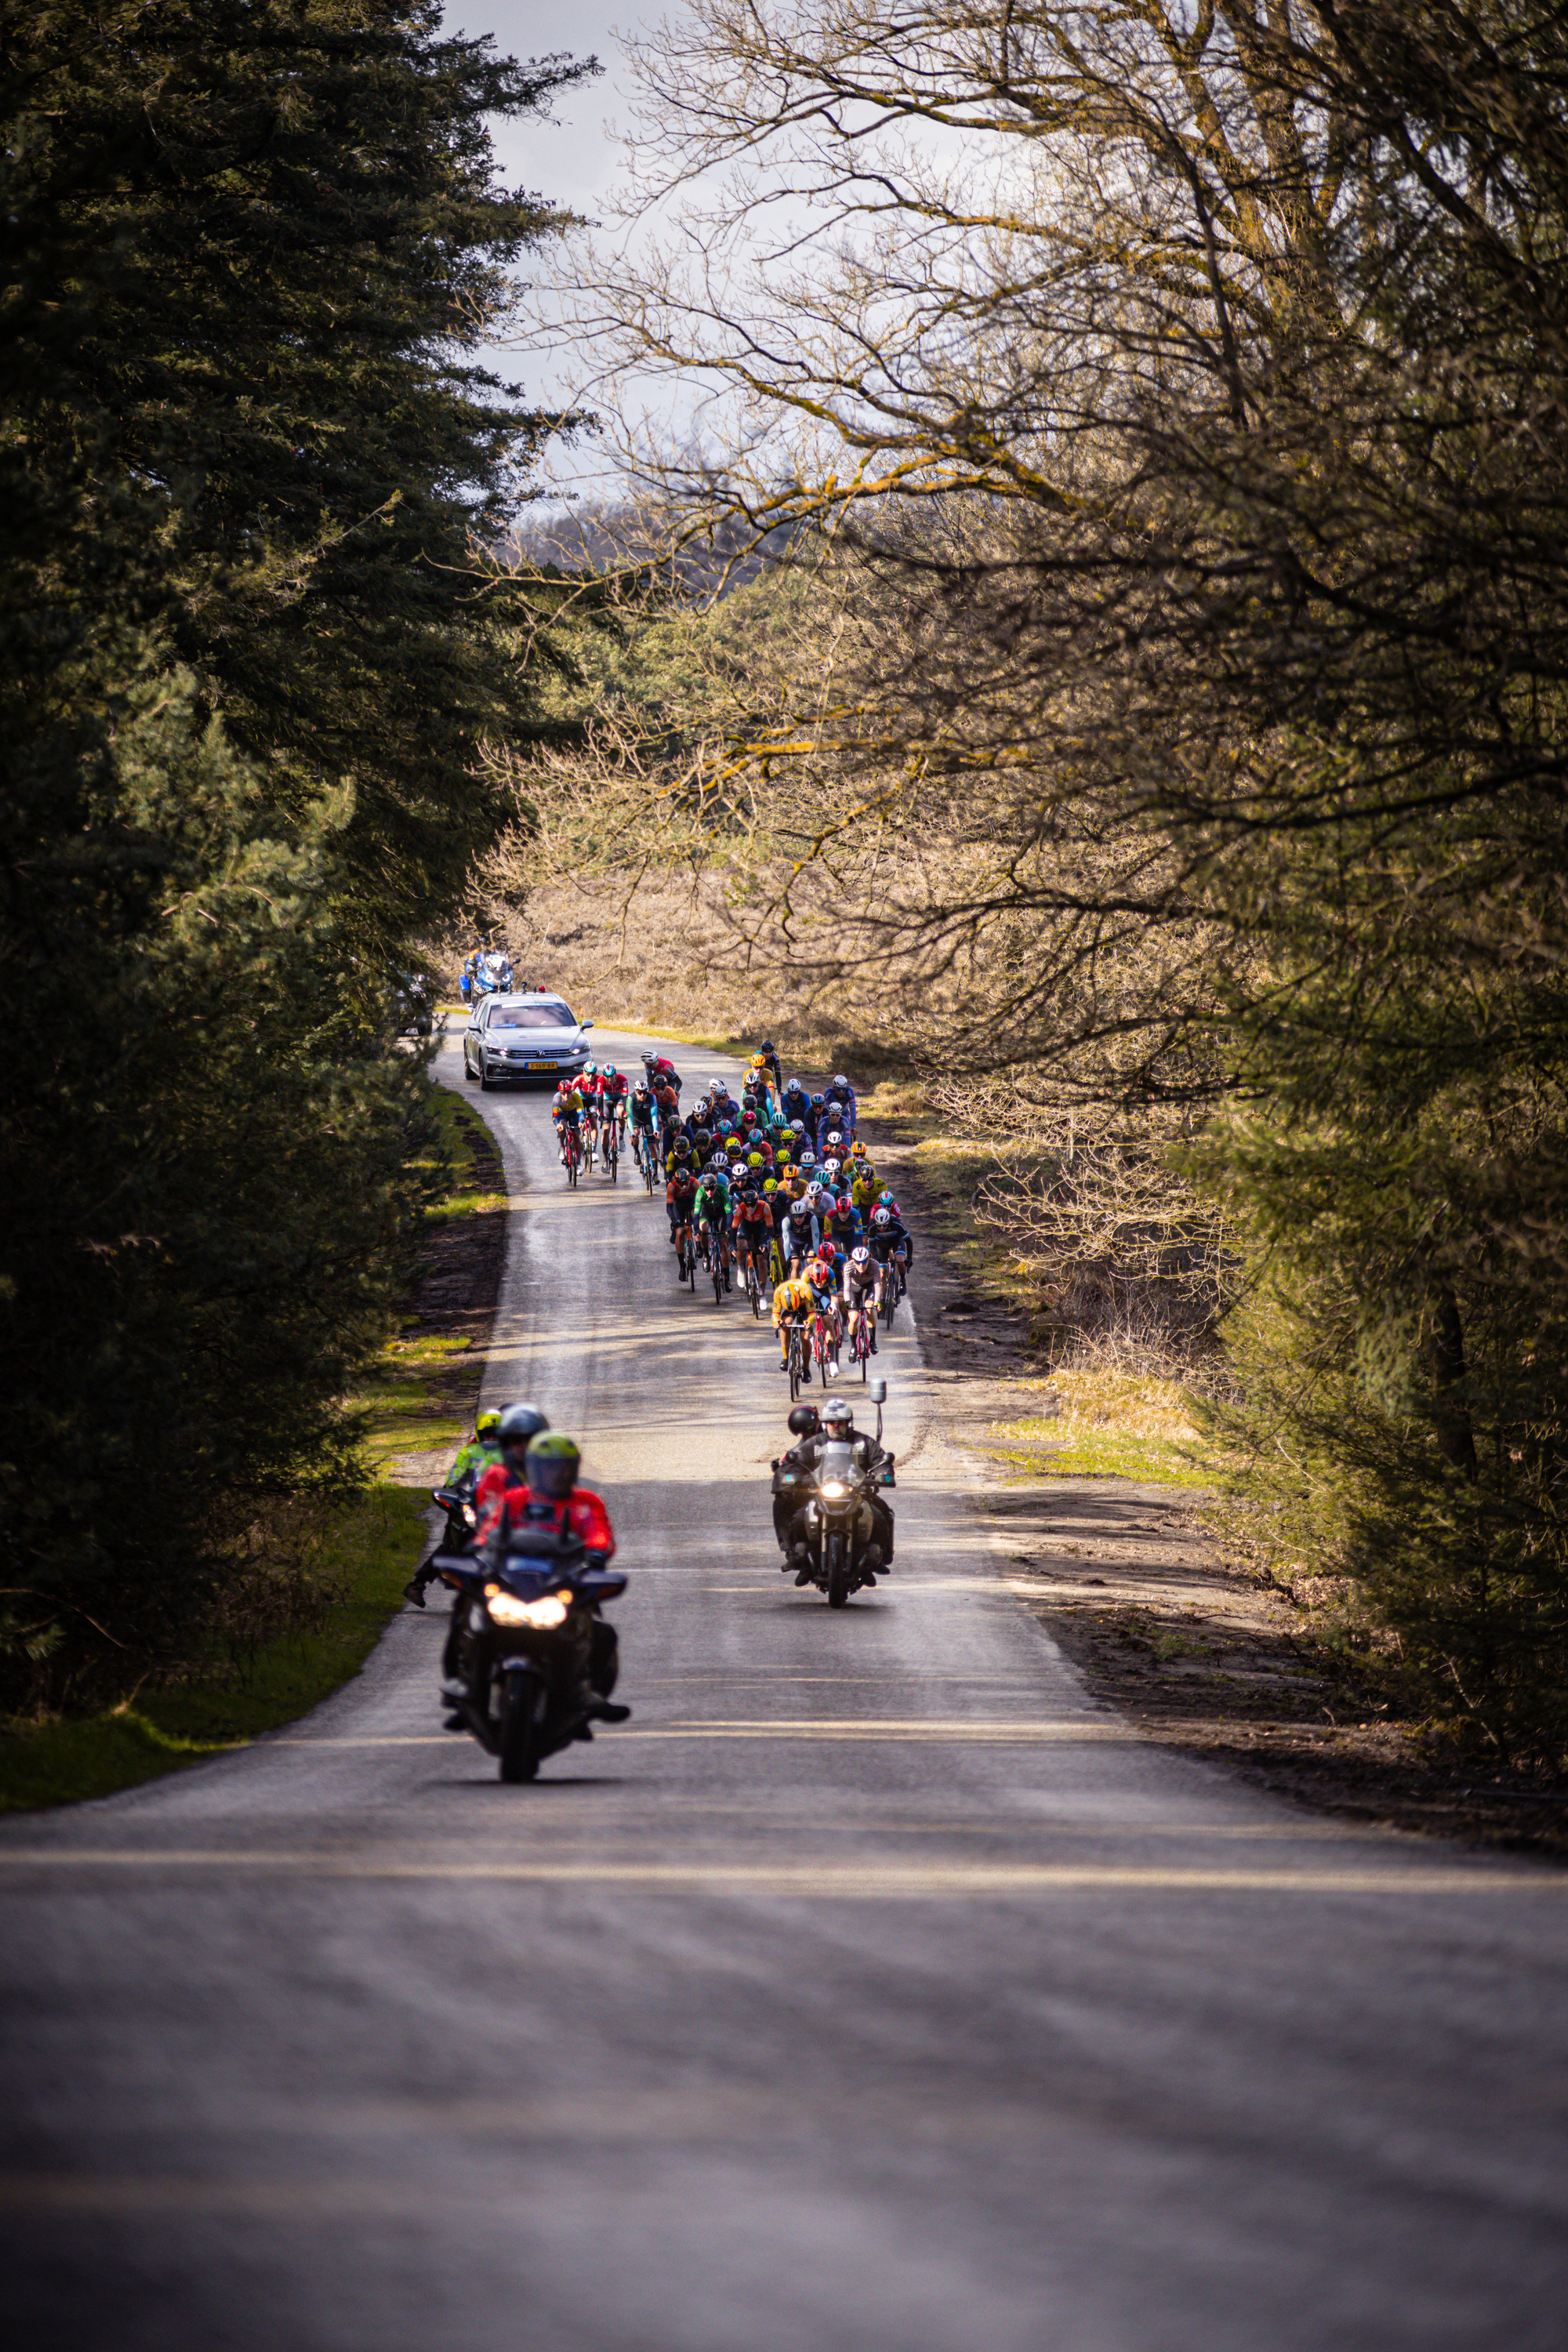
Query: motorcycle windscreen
837	1463
528	1576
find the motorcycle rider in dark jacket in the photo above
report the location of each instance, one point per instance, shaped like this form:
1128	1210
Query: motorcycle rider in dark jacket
793	1477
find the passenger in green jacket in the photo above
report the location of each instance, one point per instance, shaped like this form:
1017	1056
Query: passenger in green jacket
481	1450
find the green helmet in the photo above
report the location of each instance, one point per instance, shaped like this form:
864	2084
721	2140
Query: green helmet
550	1464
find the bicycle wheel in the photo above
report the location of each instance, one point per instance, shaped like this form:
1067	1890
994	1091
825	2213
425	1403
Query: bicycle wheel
797	1371
754	1289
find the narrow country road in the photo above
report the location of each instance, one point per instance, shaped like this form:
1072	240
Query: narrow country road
870	1990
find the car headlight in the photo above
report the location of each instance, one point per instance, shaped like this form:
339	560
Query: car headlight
506	1609
834	1489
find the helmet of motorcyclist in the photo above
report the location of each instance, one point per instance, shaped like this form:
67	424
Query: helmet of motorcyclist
519	1425
881	1217
550	1465
860	1254
486	1424
803	1421
837	1417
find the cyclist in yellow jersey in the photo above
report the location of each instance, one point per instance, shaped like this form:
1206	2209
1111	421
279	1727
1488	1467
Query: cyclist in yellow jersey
792	1305
566	1111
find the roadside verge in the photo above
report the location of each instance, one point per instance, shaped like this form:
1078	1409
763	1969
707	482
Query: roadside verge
346	1563
1095	1491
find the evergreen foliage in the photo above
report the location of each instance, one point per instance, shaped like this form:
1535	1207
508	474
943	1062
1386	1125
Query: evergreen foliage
250	642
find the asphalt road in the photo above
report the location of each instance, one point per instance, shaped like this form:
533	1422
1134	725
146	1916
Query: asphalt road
869	1989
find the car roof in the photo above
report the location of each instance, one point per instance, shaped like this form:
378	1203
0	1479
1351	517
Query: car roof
534	996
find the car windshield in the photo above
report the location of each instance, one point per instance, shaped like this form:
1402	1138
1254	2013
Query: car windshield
532	1017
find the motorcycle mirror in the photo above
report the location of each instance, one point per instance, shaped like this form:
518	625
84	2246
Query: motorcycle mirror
877	1391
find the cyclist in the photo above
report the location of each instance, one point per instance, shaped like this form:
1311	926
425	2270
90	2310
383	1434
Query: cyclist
566	1113
844	1223
863	1186
889	1241
821	1278
711	1209
800	1231
644	1116
795	1103
778	1196
842	1104
613	1096
860	1278
753	1231
794	1310
679	1159
679	1195
767	1056
661	1071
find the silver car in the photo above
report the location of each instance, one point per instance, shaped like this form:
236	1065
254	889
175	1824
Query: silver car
523	1038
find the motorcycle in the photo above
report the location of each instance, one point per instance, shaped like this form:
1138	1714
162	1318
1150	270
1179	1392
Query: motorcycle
532	1663
836	1493
462	1519
491	976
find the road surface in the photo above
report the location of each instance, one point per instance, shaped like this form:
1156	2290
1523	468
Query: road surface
871	1990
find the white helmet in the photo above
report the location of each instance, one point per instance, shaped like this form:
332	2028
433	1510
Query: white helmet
882	1216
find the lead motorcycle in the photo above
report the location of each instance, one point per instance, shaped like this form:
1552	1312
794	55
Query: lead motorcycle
491	976
530	1664
837	1493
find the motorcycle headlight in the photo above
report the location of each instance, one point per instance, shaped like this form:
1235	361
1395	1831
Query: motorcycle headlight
506	1609
834	1489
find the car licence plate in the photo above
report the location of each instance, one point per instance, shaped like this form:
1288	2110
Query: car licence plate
541	1065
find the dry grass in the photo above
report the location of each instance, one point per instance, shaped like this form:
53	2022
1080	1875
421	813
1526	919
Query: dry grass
1102	1420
